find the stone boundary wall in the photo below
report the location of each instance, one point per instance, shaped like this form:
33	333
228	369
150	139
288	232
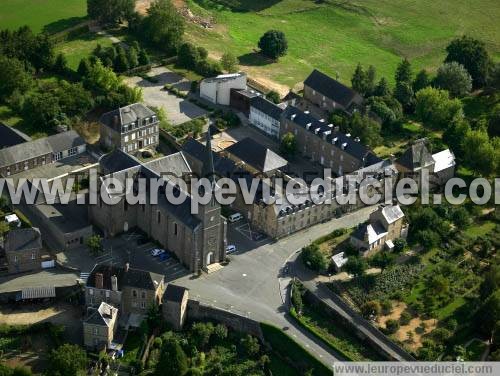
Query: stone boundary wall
198	311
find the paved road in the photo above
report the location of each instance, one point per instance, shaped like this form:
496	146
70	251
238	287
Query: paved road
255	283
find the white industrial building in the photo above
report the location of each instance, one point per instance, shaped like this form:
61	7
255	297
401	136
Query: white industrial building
218	89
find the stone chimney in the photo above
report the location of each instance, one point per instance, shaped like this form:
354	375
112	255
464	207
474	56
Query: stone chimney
99	281
114	283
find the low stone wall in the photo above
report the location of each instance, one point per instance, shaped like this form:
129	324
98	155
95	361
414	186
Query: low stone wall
198	311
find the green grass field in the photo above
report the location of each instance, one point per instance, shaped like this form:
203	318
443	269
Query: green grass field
42	15
335	35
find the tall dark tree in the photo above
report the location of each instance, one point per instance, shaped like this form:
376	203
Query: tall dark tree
61	64
371	75
273	44
403	72
382	88
421	81
110	10
454	78
358	80
188	56
84	67
133	60
143	57
472	54
405	95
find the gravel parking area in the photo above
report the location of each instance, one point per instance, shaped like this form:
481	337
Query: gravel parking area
178	110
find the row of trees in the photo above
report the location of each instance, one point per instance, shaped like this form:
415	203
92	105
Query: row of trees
121	59
196	59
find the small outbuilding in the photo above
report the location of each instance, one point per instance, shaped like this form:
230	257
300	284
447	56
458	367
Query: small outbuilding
174	307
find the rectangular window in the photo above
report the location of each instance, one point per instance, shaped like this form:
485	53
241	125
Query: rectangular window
33	255
143	305
143	294
134	293
158	217
72	151
175	228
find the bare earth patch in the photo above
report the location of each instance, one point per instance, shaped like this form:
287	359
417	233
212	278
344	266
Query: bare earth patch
402	333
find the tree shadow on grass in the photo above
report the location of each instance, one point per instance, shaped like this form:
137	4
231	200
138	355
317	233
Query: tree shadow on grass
255	59
61	25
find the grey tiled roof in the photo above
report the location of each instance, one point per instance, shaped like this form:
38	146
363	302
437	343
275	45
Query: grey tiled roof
103	315
317	127
18	240
10	136
223	166
257	155
174	293
126	115
416	156
137	278
27	150
267	107
332	89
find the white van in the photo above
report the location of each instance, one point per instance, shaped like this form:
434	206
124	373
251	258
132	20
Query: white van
235	217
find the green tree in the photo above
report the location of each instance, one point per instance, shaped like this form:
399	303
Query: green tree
403	72
13	77
273	44
479	152
163	26
101	79
95	244
382	88
455	134
110	10
229	62
488	316
288	144
120	64
201	333
358	80
435	108
490	283
84	67
367	129
143	57
173	360
61	64
274	97
422	80
132	58
405	95
67	360
355	265
392	326
202	51
314	258
454	78
472	54
399	245
370	309
250	346
41	109
371	75
188	56
461	217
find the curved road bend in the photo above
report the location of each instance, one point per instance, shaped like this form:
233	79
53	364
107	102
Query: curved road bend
254	284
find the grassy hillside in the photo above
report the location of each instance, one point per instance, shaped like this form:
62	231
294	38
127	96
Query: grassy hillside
335	35
42	15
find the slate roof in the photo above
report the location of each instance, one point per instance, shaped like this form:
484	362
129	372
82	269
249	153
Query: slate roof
10	136
37	148
23	239
416	156
256	155
137	278
174	293
267	107
103	315
332	88
117	160
374	231
320	128
126	115
223	166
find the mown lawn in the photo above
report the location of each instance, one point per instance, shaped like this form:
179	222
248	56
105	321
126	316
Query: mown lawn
42	15
335	35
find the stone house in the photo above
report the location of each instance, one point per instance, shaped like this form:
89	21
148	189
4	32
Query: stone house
100	327
174	307
329	94
132	291
131	129
31	154
324	143
198	240
385	225
23	249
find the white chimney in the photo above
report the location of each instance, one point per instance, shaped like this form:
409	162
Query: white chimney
357	139
308	125
306	112
334	140
344	145
326	133
348	135
322	120
330	125
316	130
127	267
293	116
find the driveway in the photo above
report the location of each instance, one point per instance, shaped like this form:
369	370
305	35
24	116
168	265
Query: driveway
255	283
178	110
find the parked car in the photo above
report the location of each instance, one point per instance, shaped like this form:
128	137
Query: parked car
230	249
164	256
157	252
235	217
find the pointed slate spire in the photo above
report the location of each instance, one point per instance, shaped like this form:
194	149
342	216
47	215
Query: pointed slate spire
208	170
